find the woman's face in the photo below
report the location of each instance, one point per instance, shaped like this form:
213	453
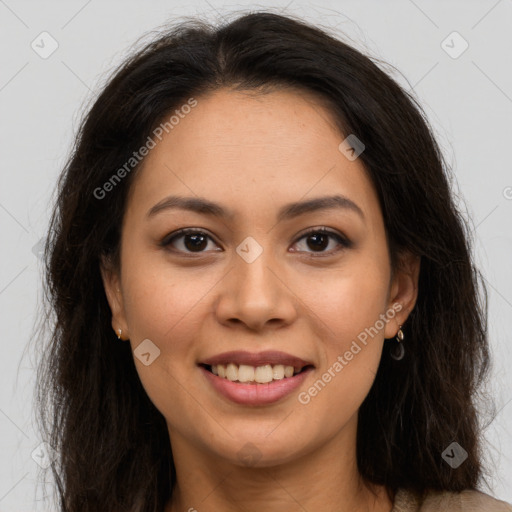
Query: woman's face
254	281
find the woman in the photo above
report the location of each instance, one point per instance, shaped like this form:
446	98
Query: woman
264	293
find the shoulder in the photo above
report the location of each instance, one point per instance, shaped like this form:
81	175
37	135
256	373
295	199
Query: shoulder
444	501
465	501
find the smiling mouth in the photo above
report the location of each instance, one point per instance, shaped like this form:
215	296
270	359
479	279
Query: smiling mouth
247	374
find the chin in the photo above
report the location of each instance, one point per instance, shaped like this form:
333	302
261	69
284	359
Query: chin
253	450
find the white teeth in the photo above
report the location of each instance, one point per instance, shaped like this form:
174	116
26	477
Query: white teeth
278	372
245	373
260	374
232	371
263	374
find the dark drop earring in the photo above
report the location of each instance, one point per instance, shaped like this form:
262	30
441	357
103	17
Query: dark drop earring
397	351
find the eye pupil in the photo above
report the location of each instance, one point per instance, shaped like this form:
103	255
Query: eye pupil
321	238
198	242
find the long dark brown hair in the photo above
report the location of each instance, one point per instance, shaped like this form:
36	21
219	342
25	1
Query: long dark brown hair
112	445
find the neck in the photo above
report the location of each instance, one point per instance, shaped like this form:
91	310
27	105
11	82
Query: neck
325	479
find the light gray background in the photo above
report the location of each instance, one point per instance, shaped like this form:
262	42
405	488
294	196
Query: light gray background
468	100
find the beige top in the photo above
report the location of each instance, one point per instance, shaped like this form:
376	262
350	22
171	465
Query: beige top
465	501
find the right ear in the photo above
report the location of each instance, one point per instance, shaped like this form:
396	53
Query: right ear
113	291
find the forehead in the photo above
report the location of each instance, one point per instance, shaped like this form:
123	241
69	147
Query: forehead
245	149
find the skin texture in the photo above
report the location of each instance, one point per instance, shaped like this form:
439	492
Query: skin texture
254	154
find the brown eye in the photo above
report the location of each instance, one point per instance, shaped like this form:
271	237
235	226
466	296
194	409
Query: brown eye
317	240
195	242
187	240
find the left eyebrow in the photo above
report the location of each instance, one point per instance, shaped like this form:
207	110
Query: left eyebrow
289	211
319	203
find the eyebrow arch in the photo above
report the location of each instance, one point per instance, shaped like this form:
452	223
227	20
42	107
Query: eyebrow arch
289	211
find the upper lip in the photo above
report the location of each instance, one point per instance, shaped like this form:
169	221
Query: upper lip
272	357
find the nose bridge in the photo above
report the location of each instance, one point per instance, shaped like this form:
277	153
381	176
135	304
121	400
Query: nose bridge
253	277
252	293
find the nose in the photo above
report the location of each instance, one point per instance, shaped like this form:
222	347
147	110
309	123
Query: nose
255	295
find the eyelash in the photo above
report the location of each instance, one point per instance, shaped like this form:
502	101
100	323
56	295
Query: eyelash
344	242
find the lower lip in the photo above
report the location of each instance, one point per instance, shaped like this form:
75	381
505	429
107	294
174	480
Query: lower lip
256	394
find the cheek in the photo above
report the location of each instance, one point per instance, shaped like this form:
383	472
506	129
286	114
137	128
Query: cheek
166	308
347	309
161	300
347	301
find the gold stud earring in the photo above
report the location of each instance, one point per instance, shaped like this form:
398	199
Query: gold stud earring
119	332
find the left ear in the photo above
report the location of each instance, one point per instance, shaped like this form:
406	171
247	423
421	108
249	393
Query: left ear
111	284
403	291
